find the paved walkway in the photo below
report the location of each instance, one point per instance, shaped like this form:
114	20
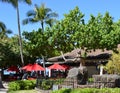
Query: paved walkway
43	91
4	90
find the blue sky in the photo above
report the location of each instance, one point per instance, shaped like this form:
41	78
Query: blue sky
87	7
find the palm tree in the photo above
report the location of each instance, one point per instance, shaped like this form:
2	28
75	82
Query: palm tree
41	14
3	30
15	4
3	34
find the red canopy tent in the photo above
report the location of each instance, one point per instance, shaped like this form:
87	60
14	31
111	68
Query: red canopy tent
66	66
26	66
13	68
35	67
56	66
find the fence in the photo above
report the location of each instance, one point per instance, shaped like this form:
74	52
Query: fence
55	84
104	84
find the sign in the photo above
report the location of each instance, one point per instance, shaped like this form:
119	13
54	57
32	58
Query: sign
55	87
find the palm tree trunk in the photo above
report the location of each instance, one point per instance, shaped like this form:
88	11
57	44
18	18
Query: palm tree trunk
19	32
42	24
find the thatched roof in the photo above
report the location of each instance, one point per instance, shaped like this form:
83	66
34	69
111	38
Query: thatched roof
96	55
73	54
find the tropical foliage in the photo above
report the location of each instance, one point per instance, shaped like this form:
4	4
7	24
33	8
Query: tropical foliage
100	32
72	31
15	4
113	65
4	31
41	14
37	43
63	33
4	46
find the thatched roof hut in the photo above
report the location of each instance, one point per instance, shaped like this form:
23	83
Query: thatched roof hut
92	56
98	54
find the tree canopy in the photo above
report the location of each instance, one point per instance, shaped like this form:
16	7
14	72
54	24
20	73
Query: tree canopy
99	32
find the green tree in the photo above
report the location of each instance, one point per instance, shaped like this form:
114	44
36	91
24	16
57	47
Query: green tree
63	35
41	14
37	43
3	49
3	41
100	32
91	36
72	31
15	4
106	32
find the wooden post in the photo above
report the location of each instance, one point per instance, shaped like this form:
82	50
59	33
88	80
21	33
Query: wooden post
44	66
101	70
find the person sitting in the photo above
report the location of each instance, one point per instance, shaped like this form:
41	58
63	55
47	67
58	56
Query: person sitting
25	76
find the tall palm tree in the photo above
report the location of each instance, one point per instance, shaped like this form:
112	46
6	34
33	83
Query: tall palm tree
15	4
41	14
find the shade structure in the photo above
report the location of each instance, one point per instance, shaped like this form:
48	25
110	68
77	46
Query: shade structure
56	66
26	66
13	68
35	67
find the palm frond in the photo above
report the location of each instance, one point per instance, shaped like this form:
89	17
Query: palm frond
29	20
52	14
9	31
15	2
28	2
2	26
31	13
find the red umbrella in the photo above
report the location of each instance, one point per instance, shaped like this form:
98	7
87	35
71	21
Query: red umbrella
13	68
56	66
65	66
35	67
27	66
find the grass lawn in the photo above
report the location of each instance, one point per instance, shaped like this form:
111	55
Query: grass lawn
23	91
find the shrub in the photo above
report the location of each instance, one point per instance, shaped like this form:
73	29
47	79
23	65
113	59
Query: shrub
14	86
113	65
63	91
88	90
46	84
21	85
58	81
90	80
28	84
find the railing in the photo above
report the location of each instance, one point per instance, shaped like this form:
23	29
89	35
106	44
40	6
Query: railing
100	84
54	84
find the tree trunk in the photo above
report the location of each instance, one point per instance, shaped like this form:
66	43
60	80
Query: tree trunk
44	66
19	32
82	61
1	84
42	24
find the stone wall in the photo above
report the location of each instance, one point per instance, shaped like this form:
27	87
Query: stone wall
92	71
107	80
